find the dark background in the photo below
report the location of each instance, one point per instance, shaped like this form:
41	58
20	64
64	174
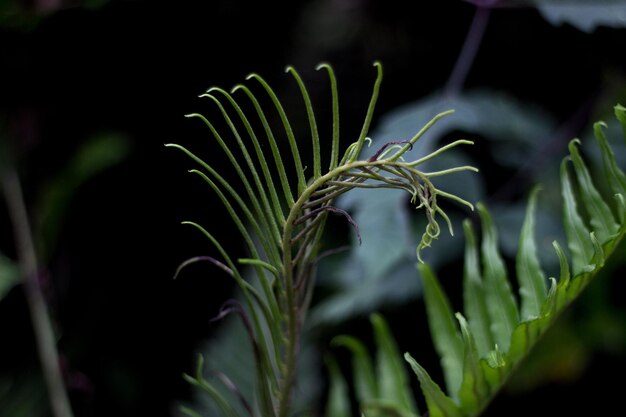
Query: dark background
134	69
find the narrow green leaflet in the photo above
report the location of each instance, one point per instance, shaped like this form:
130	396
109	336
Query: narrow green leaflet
439	404
578	242
600	214
501	303
613	174
474	388
391	373
382	390
532	280
338	404
364	377
474	299
443	328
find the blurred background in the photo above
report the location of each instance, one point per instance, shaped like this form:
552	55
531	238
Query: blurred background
90	91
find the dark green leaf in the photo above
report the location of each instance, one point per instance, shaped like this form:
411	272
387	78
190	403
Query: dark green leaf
524	337
474	294
601	218
532	281
439	404
338	404
501	303
474	389
364	378
444	331
612	172
393	383
577	233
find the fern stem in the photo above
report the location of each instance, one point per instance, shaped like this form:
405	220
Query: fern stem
292	314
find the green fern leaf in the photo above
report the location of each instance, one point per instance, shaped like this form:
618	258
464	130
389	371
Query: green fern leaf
501	303
439	404
443	328
497	337
364	377
383	390
474	388
474	298
532	281
515	336
283	237
338	404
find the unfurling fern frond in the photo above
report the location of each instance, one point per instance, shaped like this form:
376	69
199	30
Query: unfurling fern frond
281	219
480	348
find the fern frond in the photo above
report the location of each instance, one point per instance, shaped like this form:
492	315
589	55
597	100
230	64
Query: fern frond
282	233
480	349
497	335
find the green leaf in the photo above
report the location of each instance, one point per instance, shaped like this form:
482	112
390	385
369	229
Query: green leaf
612	172
364	378
439	404
501	303
578	242
532	281
338	404
443	329
524	337
474	300
391	374
601	218
494	368
474	389
224	404
564	277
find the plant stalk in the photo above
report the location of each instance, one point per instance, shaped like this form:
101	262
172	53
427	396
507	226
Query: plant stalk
40	317
468	52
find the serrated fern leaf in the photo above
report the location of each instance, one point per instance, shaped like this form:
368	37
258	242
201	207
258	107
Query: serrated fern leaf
474	298
382	389
496	337
532	280
443	328
590	243
501	303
